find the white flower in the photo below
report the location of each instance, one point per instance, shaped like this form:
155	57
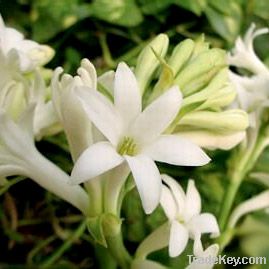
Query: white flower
29	53
19	156
184	213
72	116
134	136
252	94
243	54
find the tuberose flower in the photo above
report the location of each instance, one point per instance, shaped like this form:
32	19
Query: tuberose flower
243	55
134	136
184	213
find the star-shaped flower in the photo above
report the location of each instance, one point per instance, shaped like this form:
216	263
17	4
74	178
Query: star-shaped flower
184	213
134	136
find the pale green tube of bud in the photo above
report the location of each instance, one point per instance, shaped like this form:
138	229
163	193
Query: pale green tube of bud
218	82
221	98
201	64
147	62
200	46
233	120
200	82
15	101
180	55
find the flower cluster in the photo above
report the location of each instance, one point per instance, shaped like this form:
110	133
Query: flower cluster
121	125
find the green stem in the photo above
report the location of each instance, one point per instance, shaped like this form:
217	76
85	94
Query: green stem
242	165
105	260
95	192
118	251
106	52
65	246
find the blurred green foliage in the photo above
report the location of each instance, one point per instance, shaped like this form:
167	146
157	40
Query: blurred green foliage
107	32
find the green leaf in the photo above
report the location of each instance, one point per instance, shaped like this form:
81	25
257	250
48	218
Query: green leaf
225	19
153	7
51	17
195	6
121	12
261	9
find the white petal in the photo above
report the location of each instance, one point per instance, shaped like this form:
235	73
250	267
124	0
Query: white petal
177	150
127	97
102	113
147	179
94	161
203	223
157	116
193	201
177	191
87	73
179	237
258	202
168	203
77	126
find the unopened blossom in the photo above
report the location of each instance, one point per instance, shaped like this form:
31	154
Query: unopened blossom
29	53
184	213
68	109
134	136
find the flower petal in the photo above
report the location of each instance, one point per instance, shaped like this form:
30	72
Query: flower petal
157	116
127	97
177	191
102	113
193	201
176	150
179	237
94	161
147	179
168	203
203	223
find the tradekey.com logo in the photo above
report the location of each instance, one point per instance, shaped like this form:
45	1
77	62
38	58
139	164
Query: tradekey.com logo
224	259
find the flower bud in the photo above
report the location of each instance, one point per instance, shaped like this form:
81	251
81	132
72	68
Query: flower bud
233	120
200	65
147	61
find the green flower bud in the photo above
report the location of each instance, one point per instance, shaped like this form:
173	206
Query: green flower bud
147	62
233	120
180	55
218	93
200	65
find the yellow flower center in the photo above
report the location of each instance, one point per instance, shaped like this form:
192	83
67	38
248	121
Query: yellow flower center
127	146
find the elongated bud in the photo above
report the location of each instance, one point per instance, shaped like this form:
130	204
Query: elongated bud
203	63
233	120
147	61
180	55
